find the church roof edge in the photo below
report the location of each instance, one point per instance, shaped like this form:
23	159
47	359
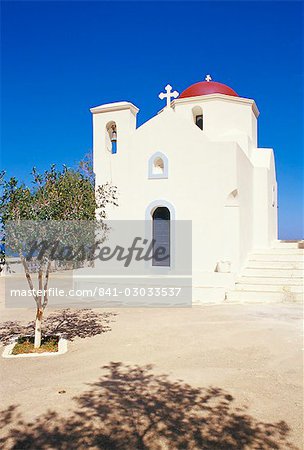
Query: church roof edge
115	106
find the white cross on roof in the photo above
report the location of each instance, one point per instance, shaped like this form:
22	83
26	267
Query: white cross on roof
168	95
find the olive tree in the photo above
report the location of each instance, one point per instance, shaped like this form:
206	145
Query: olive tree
56	196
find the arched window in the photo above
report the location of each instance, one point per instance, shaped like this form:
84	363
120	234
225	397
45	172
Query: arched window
197	113
111	136
161	237
158	166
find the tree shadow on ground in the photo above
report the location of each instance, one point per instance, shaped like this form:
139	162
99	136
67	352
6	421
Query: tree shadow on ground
130	408
80	323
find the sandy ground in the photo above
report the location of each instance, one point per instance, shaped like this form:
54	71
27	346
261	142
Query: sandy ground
253	351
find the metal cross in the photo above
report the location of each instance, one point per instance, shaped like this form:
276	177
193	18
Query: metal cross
208	78
168	95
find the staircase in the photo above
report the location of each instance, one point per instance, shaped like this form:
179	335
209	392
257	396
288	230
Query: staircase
272	275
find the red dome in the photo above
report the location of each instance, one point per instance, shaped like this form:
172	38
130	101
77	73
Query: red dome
207	87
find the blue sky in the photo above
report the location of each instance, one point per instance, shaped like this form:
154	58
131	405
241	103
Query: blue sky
61	58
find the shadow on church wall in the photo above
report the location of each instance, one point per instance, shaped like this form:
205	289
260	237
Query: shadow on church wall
130	408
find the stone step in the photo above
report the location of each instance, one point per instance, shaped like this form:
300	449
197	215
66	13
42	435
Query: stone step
272	275
292	273
263	297
284	281
252	264
276	257
269	287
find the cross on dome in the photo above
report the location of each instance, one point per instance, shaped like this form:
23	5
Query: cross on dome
208	77
168	95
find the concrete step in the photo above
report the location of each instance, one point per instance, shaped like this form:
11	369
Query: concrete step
252	264
284	281
276	257
292	273
269	287
272	275
263	297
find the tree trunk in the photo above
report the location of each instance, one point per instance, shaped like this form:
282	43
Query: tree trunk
38	323
39	313
43	294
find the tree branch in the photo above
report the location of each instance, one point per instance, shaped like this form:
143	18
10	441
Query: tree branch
40	274
28	277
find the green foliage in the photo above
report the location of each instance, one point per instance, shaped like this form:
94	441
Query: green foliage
57	195
65	194
85	167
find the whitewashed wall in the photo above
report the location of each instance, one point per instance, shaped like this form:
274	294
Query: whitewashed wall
204	168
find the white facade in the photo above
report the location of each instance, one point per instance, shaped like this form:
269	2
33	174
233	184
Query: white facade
216	176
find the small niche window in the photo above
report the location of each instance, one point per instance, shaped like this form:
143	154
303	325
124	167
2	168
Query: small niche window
158	166
198	118
233	198
112	137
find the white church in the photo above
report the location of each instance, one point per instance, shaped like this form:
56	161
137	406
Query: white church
198	159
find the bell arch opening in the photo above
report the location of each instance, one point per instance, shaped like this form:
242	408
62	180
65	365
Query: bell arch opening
198	118
111	136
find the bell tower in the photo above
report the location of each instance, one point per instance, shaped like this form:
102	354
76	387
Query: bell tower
113	126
